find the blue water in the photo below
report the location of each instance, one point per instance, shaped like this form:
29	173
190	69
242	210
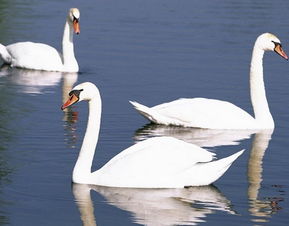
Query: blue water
152	52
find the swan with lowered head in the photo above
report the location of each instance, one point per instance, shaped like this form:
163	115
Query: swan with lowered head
39	56
160	162
217	114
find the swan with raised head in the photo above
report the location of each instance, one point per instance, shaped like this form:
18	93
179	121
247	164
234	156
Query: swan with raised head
160	162
39	56
217	114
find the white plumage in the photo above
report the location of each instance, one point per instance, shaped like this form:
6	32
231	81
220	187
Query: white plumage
197	112
39	56
161	162
217	114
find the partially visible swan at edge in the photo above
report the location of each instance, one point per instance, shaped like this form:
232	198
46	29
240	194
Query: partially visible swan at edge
161	162
39	56
217	114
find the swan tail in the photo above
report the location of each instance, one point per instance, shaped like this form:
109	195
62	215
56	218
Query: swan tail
212	171
147	112
154	116
6	57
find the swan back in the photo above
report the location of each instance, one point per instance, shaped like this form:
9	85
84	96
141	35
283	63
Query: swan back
206	113
155	162
38	56
162	162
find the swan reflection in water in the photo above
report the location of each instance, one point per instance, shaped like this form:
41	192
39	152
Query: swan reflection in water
34	81
260	209
200	137
70	116
186	206
30	81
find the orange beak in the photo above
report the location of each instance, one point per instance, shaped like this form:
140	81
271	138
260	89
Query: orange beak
72	100
76	26
278	49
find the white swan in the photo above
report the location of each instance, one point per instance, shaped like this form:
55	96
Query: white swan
38	56
161	162
217	114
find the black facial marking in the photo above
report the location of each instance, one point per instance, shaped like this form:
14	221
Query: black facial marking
75	92
277	43
75	19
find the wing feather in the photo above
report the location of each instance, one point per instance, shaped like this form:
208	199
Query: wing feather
205	113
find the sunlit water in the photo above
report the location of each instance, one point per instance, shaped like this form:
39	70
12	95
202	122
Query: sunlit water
152	52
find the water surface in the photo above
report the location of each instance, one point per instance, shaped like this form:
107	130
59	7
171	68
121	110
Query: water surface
152	52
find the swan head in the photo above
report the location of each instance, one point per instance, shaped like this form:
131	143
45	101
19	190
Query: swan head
84	91
73	18
269	42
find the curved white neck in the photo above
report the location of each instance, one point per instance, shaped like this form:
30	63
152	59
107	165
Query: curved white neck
82	168
257	89
69	61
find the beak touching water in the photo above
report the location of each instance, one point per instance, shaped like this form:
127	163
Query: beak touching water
278	49
76	26
72	100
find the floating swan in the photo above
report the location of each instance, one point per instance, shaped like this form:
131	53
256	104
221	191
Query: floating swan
217	114
160	162
38	56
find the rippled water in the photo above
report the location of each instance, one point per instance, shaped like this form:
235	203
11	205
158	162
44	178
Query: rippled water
152	52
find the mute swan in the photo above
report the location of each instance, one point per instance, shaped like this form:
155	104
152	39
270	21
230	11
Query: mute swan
160	162
217	114
38	56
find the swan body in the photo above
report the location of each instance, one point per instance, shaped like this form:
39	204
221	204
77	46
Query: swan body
197	112
160	162
217	114
39	56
